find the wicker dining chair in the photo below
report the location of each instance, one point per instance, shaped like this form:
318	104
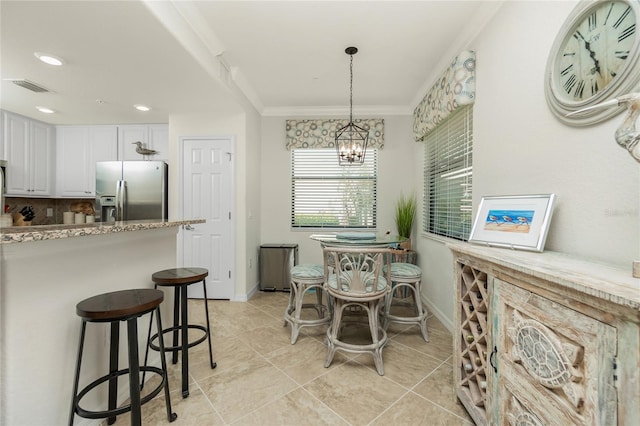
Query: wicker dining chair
357	281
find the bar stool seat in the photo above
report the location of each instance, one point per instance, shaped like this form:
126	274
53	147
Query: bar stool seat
305	279
124	305
407	277
180	279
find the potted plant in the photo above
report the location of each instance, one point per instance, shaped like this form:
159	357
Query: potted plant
405	214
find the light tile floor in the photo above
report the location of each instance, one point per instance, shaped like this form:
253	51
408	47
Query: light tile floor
261	379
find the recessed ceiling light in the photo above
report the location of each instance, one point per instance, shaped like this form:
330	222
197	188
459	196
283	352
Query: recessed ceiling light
142	108
45	110
49	59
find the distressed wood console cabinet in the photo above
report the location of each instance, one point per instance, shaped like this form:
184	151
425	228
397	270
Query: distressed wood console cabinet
545	339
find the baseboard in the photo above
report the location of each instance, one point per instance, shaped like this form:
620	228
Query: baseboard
433	309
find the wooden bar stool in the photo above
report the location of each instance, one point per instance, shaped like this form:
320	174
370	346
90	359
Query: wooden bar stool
180	279
305	279
125	305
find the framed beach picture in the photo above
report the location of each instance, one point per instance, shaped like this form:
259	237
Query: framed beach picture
517	222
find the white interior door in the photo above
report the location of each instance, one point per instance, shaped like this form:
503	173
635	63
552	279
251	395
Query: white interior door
207	193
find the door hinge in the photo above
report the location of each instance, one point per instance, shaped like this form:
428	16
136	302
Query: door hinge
229	215
615	371
229	274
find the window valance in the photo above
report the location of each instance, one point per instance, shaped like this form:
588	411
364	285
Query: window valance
321	133
455	88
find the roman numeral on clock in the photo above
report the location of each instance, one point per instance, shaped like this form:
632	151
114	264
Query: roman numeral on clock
568	85
630	30
566	70
621	54
579	89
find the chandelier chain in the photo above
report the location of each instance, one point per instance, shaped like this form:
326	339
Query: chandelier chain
351	91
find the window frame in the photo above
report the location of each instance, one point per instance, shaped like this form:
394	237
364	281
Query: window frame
321	174
448	192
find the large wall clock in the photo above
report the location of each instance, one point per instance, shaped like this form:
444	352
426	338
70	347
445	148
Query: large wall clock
594	58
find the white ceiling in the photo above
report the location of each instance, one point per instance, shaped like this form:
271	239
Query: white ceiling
284	55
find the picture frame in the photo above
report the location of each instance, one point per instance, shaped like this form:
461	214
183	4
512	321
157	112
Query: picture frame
518	221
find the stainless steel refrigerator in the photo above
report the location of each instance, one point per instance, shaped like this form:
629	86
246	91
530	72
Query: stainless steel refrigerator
131	190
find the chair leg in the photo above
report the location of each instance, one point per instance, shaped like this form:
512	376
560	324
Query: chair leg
184	330
290	305
77	377
171	416
113	368
332	332
146	351
422	314
134	372
372	312
206	311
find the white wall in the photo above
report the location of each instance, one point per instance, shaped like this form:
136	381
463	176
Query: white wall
520	148
245	128
395	168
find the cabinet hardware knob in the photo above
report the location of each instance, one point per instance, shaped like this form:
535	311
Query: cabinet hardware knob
491	358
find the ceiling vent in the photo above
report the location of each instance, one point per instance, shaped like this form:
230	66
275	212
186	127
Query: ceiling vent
29	85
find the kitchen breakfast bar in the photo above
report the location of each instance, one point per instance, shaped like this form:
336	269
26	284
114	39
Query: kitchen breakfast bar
45	271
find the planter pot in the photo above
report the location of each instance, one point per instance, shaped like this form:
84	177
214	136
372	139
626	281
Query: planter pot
406	245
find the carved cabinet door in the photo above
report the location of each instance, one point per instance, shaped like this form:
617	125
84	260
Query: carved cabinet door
554	366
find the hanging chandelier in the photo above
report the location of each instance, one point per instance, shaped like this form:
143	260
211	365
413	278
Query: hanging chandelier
351	140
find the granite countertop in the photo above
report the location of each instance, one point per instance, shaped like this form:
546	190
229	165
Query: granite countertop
23	234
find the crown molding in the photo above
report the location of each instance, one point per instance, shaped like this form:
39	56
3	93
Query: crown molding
336	111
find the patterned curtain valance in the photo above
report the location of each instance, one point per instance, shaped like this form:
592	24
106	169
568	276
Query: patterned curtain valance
455	88
321	133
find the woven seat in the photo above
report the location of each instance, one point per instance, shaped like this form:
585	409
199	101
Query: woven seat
358	284
406	279
305	279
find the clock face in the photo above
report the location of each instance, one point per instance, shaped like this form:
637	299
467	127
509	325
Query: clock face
593	53
595	58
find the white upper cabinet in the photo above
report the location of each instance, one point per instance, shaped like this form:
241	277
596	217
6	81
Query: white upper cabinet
152	136
29	147
78	150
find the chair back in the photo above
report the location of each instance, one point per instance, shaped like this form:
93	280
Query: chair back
357	271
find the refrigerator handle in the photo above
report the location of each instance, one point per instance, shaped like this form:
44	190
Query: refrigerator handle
120	194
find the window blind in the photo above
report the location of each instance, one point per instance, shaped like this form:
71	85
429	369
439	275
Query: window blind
326	195
448	166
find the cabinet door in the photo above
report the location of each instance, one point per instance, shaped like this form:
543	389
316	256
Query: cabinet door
16	149
159	140
78	149
103	147
42	149
153	136
72	161
554	365
127	135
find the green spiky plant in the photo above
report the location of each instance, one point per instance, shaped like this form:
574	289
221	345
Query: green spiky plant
405	214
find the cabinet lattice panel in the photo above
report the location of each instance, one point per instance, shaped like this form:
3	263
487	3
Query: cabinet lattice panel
473	342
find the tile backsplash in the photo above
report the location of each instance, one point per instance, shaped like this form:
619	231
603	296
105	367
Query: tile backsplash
40	206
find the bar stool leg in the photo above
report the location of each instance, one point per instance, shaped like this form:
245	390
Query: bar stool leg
114	349
184	328
77	378
176	323
206	311
171	416
134	371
